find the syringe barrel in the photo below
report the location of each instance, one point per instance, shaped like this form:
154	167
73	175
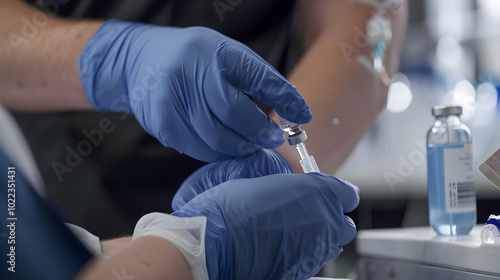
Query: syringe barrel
301	147
309	165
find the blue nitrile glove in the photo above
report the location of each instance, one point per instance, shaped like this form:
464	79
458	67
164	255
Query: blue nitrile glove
283	226
186	87
261	163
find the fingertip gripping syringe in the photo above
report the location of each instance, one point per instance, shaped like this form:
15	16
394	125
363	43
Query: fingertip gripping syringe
296	137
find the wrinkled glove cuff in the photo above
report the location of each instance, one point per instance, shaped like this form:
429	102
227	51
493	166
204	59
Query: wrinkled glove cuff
99	51
187	234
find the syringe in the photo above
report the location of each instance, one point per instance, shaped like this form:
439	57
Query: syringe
379	33
296	137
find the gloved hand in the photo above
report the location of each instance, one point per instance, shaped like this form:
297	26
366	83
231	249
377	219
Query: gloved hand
261	163
283	226
185	86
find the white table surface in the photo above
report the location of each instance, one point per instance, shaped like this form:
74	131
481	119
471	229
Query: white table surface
423	245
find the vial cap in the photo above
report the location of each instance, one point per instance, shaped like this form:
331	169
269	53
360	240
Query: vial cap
494	220
297	138
442	110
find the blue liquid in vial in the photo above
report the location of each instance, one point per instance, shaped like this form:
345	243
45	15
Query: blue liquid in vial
461	220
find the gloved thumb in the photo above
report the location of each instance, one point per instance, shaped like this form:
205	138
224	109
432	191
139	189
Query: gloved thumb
261	163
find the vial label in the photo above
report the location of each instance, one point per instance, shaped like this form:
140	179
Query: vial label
451	177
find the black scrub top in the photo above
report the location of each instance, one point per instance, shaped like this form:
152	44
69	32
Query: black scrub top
128	173
264	25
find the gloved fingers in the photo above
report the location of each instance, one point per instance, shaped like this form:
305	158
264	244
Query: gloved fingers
279	215
192	145
262	162
247	49
221	138
198	135
249	74
348	231
198	182
236	111
184	195
346	196
203	152
346	193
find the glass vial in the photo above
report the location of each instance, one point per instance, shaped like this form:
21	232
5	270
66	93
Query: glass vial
450	173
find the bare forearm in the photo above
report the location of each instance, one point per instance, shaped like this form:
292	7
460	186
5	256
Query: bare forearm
39	59
343	96
147	258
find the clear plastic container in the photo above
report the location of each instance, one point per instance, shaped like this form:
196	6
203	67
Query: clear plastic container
450	173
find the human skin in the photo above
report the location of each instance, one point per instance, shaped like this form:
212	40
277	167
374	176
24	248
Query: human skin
336	86
39	66
109	246
147	257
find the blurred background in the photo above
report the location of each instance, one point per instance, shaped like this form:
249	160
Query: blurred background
451	56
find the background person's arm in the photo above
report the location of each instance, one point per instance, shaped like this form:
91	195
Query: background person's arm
336	86
145	258
39	59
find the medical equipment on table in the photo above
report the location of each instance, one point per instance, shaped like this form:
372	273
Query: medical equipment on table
451	188
490	233
419	253
297	136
